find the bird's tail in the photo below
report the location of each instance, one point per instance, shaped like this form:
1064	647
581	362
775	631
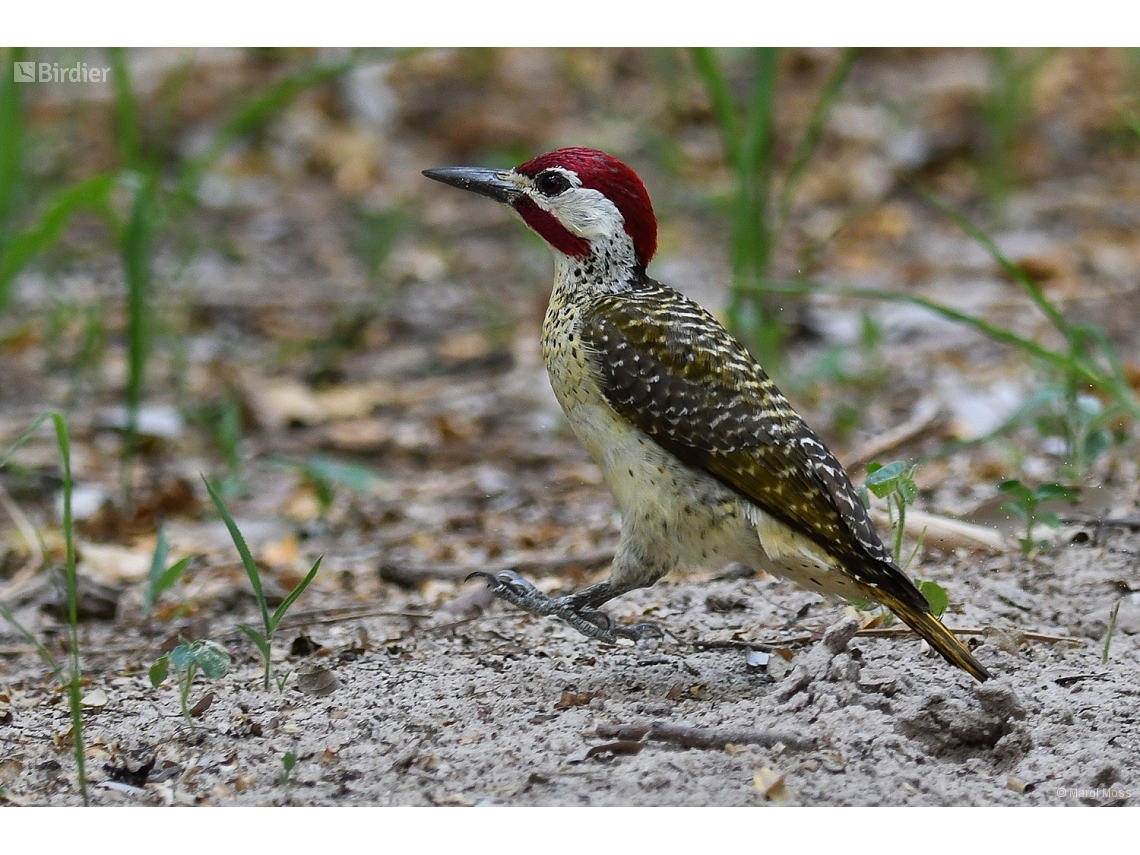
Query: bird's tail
939	637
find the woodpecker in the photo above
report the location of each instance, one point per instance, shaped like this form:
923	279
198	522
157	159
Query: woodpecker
707	460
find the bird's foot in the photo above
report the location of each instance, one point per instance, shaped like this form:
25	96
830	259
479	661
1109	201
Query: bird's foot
510	586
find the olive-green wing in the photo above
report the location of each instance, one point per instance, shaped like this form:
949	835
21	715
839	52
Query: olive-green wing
671	369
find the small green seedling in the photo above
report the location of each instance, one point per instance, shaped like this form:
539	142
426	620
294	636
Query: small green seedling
935	595
1025	503
895	483
263	640
1111	630
288	763
324	475
161	577
188	659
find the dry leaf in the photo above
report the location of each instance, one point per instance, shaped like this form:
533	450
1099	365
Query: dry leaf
94	698
303	505
771	785
10	769
282	554
317	681
279	402
454	800
202	705
464	347
1007	640
575	699
358	434
349	401
111	564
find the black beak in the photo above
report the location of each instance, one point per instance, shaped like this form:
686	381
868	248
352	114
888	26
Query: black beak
485	182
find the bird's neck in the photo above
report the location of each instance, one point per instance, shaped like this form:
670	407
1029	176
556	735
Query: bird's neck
610	267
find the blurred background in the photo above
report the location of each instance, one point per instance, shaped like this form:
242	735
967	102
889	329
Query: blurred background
226	262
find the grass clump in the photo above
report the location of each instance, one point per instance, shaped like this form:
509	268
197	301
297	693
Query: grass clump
71	678
1026	504
161	578
760	211
263	638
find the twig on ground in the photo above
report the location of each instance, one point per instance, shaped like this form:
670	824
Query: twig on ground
946	533
690	736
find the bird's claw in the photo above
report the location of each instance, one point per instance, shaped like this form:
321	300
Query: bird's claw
506	582
510	586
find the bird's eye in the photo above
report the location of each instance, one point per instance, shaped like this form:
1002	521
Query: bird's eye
551	183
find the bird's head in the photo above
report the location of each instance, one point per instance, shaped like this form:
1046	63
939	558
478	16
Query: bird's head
578	200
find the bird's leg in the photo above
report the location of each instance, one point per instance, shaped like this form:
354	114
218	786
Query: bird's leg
579	610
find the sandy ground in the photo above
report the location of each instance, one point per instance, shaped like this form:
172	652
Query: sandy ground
506	709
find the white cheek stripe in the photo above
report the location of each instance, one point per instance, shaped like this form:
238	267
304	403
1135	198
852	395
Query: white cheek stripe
585	212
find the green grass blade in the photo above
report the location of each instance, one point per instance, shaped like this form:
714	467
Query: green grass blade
72	685
11	140
1111	630
324	470
1116	380
138	241
73	688
292	598
45	654
759	127
91	193
813	133
157	566
243	550
161	577
254	113
1014	271
1080	363
1032	348
23	438
752	235
171	575
1133	122
128	132
716	84
257	638
263	644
